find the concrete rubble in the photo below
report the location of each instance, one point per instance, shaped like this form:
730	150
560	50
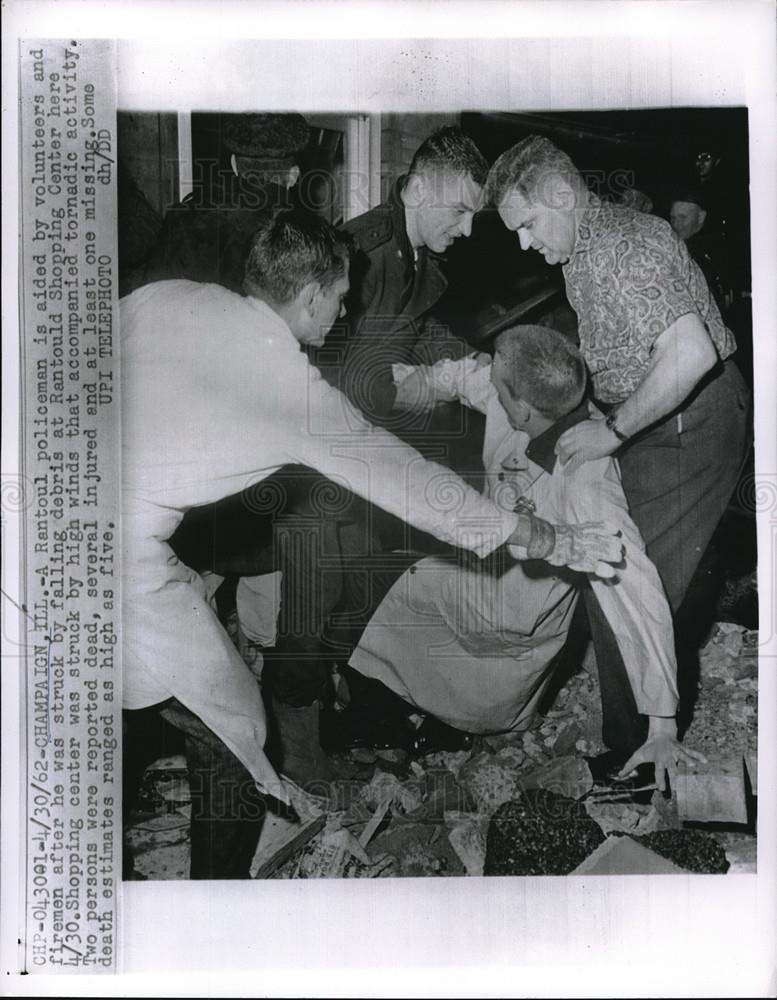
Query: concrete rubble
430	816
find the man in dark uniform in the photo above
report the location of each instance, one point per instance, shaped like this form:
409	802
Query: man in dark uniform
395	276
688	218
207	236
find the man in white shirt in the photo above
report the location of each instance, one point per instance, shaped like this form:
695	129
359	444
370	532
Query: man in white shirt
217	394
471	642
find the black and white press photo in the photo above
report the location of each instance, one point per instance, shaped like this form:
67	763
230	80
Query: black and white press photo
538	322
388	502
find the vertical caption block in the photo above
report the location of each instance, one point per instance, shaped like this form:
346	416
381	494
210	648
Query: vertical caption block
71	456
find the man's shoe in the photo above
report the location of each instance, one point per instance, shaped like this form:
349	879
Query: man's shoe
433	736
354	730
298	739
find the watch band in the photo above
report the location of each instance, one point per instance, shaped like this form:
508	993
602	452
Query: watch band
612	416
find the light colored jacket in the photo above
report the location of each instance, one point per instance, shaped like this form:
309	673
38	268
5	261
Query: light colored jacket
217	395
471	642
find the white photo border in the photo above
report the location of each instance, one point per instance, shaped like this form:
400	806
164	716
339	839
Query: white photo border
700	936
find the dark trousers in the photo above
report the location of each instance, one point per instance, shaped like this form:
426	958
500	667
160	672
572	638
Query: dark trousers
319	536
678	478
227	809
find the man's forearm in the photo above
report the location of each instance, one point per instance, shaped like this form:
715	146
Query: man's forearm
682	355
538	537
662	725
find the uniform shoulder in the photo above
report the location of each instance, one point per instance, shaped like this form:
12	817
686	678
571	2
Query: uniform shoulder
372	229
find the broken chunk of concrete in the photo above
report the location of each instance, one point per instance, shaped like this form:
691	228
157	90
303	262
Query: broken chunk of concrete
741	853
566	738
624	856
490	781
625	817
467	833
419	848
387	788
441	793
719	657
569	776
711	797
450	760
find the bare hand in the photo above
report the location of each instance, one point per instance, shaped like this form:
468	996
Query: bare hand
665	752
587	548
585	442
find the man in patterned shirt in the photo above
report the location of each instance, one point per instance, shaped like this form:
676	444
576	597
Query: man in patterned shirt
657	349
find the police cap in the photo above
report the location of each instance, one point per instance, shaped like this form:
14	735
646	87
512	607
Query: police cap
266	136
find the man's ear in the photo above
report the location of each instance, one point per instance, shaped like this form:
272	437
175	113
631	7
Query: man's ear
702	216
523	411
415	190
292	176
308	296
558	193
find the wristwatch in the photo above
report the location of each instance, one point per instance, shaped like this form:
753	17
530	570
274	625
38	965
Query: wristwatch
612	416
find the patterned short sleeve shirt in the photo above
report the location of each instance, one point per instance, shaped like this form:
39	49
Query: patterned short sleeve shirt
630	278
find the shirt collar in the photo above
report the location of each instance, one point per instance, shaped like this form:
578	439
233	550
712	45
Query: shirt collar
541	450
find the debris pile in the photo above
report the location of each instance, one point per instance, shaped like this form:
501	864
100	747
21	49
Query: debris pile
689	849
724	722
518	803
540	833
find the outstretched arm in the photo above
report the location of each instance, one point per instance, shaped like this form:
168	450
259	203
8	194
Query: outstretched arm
467	380
636	608
379	467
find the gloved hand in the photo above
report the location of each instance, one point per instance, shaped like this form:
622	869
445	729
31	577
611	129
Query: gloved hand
586	548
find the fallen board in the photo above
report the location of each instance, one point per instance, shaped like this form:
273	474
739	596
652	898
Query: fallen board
624	856
278	852
712	797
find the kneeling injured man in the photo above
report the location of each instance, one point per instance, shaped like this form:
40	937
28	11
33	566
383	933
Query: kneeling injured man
472	642
217	394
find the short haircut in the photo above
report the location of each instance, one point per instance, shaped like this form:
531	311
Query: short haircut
291	248
544	368
525	166
450	149
688	193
